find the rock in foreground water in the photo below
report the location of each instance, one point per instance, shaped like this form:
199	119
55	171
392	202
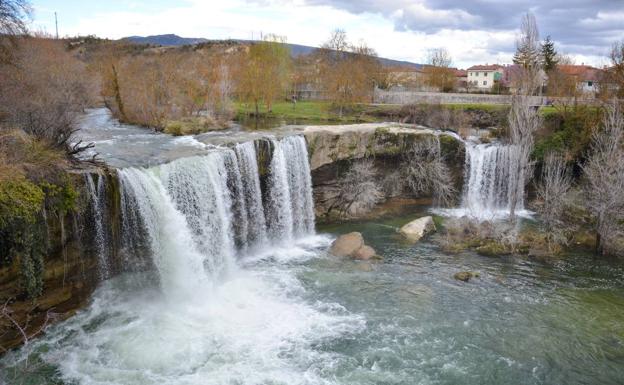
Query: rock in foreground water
365	252
352	245
418	228
465	276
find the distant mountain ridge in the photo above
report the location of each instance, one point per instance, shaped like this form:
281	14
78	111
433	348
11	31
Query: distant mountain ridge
295	49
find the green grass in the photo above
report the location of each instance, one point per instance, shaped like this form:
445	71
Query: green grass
314	110
308	110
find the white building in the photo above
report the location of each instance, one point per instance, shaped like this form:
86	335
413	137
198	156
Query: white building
483	76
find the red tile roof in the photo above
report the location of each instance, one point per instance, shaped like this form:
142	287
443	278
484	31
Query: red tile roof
581	72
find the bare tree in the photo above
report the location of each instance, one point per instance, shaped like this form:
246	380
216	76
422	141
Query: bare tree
359	192
604	172
523	123
528	55
265	74
13	17
552	191
337	41
348	72
426	173
616	72
438	73
45	92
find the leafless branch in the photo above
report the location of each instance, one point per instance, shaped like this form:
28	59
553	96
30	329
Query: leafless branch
552	192
604	172
523	123
426	173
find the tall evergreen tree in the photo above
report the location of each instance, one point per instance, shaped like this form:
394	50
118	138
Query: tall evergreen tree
549	55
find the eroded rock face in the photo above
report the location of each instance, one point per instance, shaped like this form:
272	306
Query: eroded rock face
70	270
335	151
418	228
329	144
352	245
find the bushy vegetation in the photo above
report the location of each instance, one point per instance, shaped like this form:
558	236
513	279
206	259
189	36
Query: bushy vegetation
34	187
160	87
44	90
567	130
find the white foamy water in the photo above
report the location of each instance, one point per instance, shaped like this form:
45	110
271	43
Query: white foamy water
489	172
224	305
252	328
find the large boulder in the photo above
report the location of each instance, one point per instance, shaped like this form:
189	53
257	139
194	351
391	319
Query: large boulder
346	245
418	228
365	253
352	245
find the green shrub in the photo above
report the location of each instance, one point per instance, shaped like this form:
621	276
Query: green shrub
21	202
567	131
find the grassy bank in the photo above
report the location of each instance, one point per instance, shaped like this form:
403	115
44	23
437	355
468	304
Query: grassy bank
315	111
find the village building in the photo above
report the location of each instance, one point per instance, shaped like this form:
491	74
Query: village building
483	77
586	78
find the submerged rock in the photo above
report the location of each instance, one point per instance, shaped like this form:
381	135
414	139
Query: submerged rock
465	276
352	245
418	228
492	249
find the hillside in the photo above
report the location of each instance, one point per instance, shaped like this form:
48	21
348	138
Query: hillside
295	49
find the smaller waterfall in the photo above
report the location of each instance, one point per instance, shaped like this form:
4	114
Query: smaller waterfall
488	187
97	195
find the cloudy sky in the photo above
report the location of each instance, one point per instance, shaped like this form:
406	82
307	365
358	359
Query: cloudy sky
473	31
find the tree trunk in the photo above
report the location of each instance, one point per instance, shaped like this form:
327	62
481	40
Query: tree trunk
117	92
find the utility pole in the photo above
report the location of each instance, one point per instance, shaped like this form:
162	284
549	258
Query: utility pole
56	24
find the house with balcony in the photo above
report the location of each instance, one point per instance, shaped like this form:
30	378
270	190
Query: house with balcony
483	77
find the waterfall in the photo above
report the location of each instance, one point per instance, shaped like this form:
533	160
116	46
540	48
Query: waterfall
490	170
199	214
291	211
97	195
256	223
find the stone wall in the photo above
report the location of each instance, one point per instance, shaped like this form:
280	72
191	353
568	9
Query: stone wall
414	97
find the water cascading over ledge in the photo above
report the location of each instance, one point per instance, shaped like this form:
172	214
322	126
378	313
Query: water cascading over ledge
199	214
490	187
189	221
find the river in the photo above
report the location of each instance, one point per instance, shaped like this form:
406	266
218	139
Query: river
243	291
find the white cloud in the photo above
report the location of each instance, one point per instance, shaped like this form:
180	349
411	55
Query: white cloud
308	24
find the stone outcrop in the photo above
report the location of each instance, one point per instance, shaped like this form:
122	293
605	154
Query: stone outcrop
352	245
418	228
70	264
334	150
